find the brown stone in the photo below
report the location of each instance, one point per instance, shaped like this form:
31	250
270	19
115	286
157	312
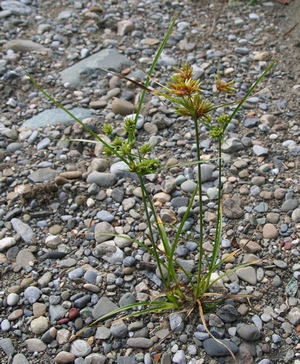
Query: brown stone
64	357
270	231
122	107
71	174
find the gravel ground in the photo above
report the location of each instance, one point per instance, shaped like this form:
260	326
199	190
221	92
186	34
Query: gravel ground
58	195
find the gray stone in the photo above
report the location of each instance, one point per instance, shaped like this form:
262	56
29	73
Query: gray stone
24	230
139	342
206	173
251	123
242	50
121	170
20	359
105	216
103	307
5	325
7	346
76	273
248	332
56	312
259	150
95	359
13	147
42	175
32	294
227	313
247	274
261	207
179	357
102	179
104	231
126	360
232	208
109	252
118	329
90	276
102	333
127	299
56	116
215	348
296	215
12	299
176	322
85	70
16	7
232	145
35	345
166	358
294	316
289	205
80	348
43	144
24	257
188	186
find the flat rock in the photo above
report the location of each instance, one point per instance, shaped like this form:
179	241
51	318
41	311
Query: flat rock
247	274
24	230
42	175
214	348
103	307
35	345
24	257
20	359
56	116
102	179
83	71
7	346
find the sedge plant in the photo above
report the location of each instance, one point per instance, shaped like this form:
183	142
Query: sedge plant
184	93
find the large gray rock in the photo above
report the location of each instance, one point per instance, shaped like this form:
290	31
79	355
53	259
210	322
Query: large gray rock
82	71
56	116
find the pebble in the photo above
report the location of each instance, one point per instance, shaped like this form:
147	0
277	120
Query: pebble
64	357
215	348
80	348
122	107
39	325
139	342
270	231
248	332
6	243
32	294
247	274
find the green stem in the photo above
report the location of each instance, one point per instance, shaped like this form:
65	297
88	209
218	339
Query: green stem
217	242
201	252
147	199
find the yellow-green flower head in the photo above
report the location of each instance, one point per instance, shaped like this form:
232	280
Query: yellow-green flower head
225	87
